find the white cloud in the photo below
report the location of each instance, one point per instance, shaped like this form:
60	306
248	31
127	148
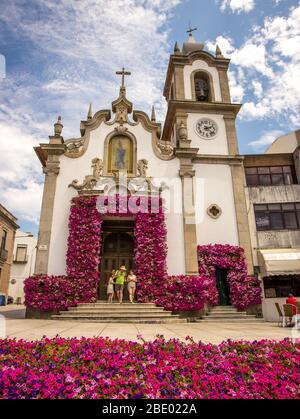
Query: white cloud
237	6
236	89
78	46
20	173
265	140
266	69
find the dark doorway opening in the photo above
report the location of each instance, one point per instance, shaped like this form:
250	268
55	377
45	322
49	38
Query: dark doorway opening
117	239
223	287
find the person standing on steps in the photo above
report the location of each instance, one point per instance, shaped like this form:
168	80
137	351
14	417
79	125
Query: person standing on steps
131	284
110	286
120	276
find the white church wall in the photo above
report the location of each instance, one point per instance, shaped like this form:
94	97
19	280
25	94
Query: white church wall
78	168
201	65
215	187
216	146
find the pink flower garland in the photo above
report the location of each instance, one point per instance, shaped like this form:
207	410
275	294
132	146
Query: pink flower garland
48	293
244	290
176	293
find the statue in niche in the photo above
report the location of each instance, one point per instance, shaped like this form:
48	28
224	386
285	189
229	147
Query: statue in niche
120	154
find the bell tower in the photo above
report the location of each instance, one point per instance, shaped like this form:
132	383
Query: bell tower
200	124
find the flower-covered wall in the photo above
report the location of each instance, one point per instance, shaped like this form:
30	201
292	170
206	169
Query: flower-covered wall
48	293
175	293
245	291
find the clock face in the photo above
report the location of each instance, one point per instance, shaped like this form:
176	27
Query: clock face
206	128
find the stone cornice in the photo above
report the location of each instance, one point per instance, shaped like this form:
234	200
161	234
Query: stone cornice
186	153
219	159
180	60
8	217
43	151
229	110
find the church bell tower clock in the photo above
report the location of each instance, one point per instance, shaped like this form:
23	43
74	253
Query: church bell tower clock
200	124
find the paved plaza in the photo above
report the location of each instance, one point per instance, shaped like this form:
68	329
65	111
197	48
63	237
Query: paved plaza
14	325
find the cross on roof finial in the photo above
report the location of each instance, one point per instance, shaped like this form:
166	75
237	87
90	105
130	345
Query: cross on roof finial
123	73
191	30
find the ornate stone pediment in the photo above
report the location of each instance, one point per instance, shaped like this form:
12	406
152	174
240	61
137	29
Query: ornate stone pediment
98	183
122	107
90	181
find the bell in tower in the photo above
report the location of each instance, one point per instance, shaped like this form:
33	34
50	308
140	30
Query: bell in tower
201	90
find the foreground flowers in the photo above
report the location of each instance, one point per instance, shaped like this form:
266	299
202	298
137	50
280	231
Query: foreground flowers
104	368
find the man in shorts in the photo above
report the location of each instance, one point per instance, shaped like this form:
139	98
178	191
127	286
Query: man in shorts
120	276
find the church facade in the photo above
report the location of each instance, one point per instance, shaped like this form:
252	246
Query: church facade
193	163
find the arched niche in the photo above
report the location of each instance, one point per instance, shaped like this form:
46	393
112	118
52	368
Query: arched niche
120	153
200	79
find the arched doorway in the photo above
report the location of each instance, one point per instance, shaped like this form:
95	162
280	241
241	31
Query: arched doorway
117	249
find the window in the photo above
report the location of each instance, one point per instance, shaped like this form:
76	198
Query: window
270	176
202	90
21	253
277	216
3	238
282	286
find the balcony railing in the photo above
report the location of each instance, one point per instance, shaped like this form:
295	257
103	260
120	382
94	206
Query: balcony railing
3	255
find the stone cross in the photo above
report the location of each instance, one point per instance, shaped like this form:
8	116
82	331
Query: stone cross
123	73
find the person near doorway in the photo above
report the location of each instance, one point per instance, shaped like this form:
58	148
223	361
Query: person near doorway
131	284
110	286
293	302
120	280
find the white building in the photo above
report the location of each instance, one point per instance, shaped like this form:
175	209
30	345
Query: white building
23	264
273	200
196	155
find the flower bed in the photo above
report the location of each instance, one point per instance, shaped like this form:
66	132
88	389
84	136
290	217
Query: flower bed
245	291
104	368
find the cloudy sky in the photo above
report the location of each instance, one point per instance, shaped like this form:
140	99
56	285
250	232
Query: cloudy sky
60	55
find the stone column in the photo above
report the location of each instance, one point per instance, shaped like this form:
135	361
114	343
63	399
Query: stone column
238	183
51	171
179	83
231	135
187	175
224	84
189	224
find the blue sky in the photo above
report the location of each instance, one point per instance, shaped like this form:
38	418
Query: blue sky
61	55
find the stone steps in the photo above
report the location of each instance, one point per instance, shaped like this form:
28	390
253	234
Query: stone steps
228	314
242	320
102	312
117	310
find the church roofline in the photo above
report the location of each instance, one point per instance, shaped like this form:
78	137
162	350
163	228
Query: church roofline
180	60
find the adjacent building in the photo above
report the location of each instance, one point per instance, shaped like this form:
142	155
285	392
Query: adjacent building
8	227
23	264
273	199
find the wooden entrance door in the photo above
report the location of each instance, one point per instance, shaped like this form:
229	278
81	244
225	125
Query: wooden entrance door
117	250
